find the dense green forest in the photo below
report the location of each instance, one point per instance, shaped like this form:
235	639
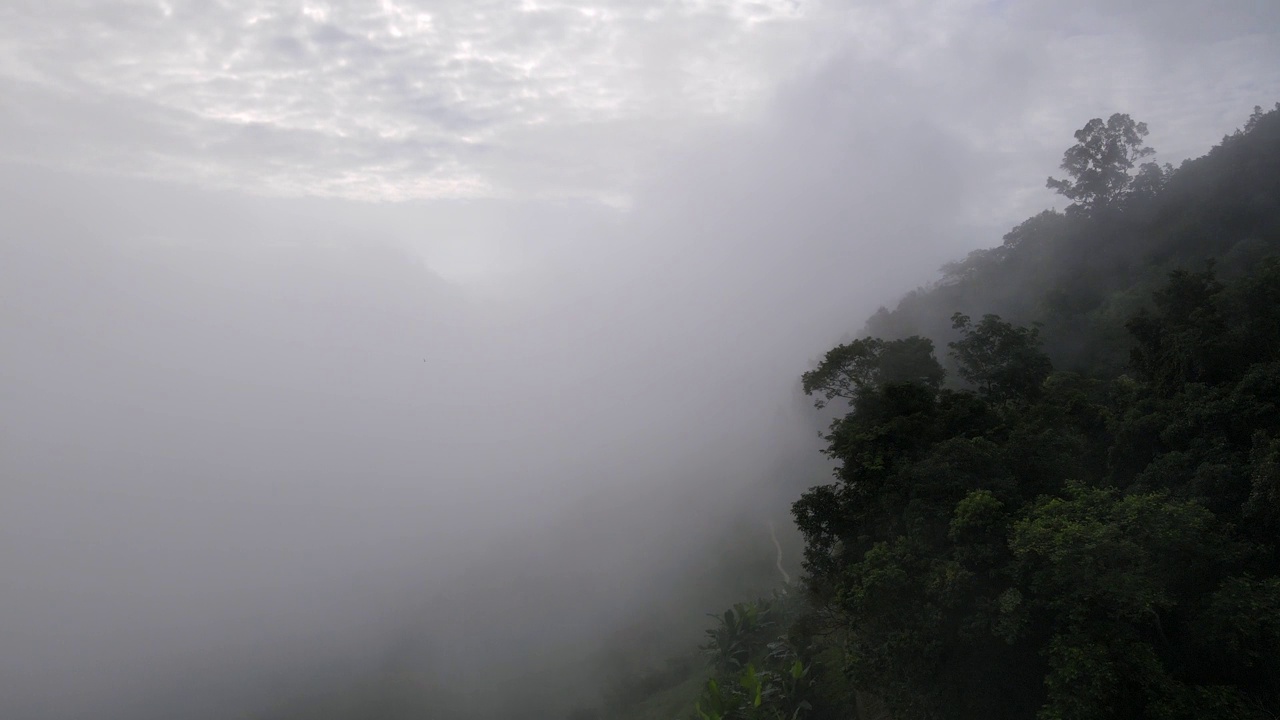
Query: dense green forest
1057	491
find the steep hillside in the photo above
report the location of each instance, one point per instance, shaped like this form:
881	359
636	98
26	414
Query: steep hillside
1056	492
1083	275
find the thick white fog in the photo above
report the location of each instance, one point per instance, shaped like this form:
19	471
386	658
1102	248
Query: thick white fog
286	382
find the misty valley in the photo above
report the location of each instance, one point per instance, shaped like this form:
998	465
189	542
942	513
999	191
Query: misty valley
684	360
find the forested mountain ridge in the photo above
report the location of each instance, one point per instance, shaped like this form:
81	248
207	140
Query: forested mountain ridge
1083	274
1057	491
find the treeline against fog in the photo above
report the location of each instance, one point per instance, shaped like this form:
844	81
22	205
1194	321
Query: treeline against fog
1057	491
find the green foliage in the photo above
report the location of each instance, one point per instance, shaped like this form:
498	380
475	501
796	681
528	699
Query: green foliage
1100	162
1088	531
1004	362
849	370
1093	544
740	633
1083	276
759	673
1102	543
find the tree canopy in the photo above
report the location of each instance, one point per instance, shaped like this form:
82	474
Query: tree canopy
1049	545
1071	514
1100	162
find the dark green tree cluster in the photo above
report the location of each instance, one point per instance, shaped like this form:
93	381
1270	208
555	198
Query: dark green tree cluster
1099	164
758	673
1043	544
1083	274
1073	512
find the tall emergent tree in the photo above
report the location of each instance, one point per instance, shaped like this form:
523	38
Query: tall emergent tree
1100	162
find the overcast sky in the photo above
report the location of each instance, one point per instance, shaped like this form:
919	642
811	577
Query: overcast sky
393	100
312	305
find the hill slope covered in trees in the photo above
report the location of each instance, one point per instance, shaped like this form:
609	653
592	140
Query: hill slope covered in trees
1058	482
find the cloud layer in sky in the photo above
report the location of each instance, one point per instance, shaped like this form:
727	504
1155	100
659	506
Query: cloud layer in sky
402	99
